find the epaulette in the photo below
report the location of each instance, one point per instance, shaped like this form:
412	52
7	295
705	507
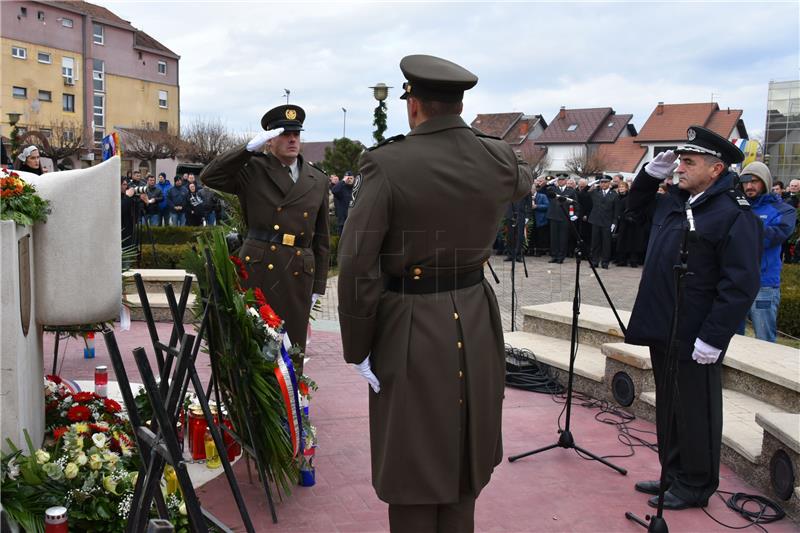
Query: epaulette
740	199
479	133
316	167
384	142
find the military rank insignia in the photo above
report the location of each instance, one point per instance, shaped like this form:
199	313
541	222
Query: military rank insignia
356	187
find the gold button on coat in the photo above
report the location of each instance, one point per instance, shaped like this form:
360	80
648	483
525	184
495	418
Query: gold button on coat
459	344
298	252
455	316
296	273
460	374
276	227
305	214
279	209
271	266
273	247
417	271
247	258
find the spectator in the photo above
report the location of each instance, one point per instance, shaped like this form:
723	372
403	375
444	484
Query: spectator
631	231
30	161
604	206
177	203
559	229
163	208
342	195
792	194
779	220
197	209
190	178
541	235
778	188
516	217
585	202
211	204
128	207
616	180
137	179
152	198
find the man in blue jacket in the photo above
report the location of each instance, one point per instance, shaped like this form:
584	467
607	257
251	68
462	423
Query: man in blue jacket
779	219
724	253
163	207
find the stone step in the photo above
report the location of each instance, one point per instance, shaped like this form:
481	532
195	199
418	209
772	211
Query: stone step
158	306
555	353
740	431
596	325
154	280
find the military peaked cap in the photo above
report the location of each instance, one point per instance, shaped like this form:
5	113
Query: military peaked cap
434	78
289	117
704	141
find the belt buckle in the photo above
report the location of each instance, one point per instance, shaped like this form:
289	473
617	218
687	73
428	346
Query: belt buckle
288	239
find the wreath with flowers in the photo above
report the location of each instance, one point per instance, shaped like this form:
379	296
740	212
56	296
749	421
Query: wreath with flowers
19	201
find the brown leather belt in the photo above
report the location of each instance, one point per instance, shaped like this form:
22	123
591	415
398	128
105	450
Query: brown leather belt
440	282
286	239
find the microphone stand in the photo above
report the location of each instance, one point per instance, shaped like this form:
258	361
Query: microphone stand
517	246
657	524
565	439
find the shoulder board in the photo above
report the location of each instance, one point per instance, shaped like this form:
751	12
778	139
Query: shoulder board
479	133
739	198
316	167
384	142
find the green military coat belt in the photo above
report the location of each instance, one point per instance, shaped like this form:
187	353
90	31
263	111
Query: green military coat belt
288	274
428	203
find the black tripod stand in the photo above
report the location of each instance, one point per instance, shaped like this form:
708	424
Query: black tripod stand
565	439
516	236
657	524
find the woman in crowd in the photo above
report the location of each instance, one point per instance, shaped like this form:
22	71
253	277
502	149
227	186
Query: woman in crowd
30	160
197	211
631	233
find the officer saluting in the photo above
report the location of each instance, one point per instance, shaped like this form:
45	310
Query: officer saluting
724	259
285	204
415	309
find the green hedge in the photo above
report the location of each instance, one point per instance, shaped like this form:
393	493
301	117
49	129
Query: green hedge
174	234
789	310
169	255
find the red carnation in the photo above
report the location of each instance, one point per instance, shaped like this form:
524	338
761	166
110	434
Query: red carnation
59	432
78	413
240	266
259	296
51	405
97	428
54	379
303	387
111	406
269	316
83	397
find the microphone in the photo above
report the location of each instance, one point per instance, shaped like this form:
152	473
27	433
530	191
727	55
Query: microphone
690	217
565	199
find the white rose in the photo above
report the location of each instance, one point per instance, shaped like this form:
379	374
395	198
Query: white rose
99	440
71	471
42	456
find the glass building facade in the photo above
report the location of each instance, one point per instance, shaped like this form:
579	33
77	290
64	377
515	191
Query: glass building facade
782	133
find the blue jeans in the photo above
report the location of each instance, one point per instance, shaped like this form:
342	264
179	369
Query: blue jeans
155	220
764	314
211	218
177	219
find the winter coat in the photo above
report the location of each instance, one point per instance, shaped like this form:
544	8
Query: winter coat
779	219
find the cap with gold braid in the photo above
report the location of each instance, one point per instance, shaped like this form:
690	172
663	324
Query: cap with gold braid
434	78
289	117
704	141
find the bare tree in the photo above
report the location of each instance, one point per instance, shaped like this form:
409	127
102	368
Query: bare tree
150	143
205	139
65	139
586	162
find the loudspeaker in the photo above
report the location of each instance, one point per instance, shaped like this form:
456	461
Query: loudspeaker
781	475
623	389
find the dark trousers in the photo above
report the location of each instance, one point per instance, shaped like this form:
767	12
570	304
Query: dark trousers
515	238
691	456
559	236
601	244
541	239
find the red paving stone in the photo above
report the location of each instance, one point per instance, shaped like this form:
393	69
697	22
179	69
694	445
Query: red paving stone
553	491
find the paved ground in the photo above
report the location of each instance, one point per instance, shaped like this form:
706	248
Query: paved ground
545	283
555	491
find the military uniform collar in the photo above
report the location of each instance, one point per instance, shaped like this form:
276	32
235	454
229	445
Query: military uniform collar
440	123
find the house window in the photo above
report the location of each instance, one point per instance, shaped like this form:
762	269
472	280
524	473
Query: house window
99	110
163	126
98	75
68	70
98	136
67	23
572	127
19	92
162	99
23	12
45	96
162	67
19	52
48	134
97	34
68	135
40	15
68	102
45	57
610	125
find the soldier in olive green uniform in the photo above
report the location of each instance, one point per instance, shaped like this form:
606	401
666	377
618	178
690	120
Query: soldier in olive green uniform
414	306
285	203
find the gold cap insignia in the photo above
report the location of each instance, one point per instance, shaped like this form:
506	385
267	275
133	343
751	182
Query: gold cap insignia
407	87
291	114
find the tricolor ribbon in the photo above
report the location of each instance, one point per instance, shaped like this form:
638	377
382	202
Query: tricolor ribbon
287	381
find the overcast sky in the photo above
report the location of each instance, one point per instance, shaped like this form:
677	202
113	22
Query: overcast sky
238	57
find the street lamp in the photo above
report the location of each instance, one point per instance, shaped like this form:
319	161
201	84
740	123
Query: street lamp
380	91
286	93
344	123
13	119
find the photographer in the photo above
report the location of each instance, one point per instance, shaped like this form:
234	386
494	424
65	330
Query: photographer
152	198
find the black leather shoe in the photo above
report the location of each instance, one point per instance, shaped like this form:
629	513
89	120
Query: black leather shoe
560	261
605	265
553	260
648	487
508	259
675	503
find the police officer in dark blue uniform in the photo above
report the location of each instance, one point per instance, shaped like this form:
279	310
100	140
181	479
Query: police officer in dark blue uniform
724	259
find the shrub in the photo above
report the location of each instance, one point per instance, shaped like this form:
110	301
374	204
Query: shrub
789	309
173	234
169	255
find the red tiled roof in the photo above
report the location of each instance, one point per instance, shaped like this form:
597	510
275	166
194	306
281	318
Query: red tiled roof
96	12
671	123
530	151
496	124
314	152
611	128
520	131
623	155
724	121
587	122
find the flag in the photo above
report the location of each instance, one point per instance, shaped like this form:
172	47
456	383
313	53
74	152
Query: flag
749	148
111	146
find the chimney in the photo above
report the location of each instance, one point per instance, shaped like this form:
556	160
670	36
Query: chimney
660	108
562	114
729	110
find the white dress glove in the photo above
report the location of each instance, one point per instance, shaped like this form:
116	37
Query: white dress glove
704	353
258	142
663	165
314	298
365	370
613	227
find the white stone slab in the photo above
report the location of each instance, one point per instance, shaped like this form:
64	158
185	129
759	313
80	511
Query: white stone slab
635	356
167	275
589	363
591	317
769	361
784	426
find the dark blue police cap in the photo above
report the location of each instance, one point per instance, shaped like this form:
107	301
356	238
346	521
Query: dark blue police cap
704	141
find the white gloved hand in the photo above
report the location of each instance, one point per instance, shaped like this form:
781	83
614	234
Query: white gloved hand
365	369
663	165
314	298
573	218
704	353
613	227
258	142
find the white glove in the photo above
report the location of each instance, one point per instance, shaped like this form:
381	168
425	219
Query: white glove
573	218
704	353
314	298
258	142
663	165
613	227
365	370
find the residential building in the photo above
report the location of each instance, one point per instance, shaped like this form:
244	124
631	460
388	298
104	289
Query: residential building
574	137
78	66
314	151
517	129
782	137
